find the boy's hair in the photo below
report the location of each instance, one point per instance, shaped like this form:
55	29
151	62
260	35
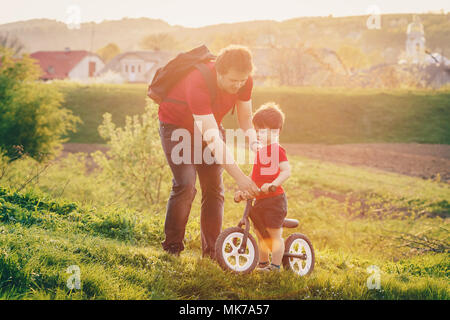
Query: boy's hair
234	57
269	115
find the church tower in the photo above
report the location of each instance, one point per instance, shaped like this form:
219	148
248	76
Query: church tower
415	42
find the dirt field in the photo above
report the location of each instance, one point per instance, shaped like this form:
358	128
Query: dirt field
419	160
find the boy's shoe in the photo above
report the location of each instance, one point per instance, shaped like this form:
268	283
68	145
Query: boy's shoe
262	266
270	267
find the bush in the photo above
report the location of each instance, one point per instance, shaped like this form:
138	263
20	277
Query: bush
32	120
135	164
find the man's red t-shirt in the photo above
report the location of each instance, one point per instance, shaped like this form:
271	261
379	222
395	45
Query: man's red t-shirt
267	167
194	91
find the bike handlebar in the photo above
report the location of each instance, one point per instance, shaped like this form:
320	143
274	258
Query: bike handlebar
272	188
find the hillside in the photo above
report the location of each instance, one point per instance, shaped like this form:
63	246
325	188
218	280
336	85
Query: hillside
389	41
45	34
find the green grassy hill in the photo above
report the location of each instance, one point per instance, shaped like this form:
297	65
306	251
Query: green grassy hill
397	223
331	116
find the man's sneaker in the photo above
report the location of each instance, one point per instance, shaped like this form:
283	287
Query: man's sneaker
211	255
173	253
173	250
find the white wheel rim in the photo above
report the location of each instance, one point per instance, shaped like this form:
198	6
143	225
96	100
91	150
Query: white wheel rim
234	260
299	266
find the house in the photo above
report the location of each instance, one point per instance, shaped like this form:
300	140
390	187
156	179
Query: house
138	66
68	64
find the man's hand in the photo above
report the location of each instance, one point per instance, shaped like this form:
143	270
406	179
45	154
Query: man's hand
248	187
238	196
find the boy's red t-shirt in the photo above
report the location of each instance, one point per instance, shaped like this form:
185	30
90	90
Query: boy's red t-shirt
194	91
267	167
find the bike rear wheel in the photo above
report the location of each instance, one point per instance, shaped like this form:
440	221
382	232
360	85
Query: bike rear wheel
298	243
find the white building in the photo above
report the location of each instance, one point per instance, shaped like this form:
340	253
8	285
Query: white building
75	65
138	66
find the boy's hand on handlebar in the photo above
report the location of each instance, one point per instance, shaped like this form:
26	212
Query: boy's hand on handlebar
265	187
268	187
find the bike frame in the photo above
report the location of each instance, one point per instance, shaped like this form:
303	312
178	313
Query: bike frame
245	220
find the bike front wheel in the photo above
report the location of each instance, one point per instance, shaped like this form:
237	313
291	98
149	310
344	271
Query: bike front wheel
227	255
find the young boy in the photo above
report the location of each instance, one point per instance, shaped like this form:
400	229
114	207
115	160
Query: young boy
271	168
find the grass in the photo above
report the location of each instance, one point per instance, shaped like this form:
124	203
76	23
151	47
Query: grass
314	115
90	102
56	215
118	247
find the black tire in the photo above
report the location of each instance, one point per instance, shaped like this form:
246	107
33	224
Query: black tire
300	267
226	262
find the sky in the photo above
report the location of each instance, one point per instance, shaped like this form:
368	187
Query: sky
197	13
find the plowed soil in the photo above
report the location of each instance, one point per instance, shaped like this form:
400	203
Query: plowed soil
419	160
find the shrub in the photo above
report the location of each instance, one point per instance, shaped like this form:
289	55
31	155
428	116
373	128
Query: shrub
32	120
135	164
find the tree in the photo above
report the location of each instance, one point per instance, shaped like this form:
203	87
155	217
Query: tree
108	52
12	43
353	57
160	41
287	66
222	40
32	120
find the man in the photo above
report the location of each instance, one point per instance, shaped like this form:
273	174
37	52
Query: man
189	106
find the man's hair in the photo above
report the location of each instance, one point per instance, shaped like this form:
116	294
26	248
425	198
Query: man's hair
269	115
234	57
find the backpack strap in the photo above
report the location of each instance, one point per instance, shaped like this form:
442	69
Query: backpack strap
210	81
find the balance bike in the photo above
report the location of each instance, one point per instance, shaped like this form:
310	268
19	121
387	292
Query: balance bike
237	250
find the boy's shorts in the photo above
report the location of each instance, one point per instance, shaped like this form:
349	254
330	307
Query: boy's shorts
269	213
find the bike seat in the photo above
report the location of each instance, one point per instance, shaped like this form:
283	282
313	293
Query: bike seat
290	223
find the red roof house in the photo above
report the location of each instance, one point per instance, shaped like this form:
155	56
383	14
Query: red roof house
68	64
